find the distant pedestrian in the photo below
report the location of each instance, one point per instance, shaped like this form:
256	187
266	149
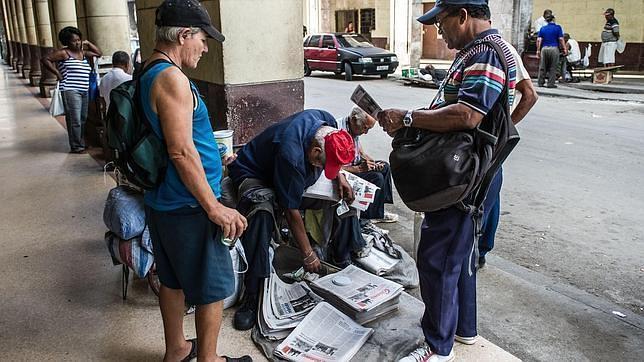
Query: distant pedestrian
349	28
573	60
610	36
550	43
115	77
72	70
541	21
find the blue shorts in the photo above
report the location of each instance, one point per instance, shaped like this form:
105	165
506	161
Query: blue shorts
189	254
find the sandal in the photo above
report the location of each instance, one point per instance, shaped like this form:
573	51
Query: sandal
193	350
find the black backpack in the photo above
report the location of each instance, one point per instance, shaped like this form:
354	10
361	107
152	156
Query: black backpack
433	171
138	153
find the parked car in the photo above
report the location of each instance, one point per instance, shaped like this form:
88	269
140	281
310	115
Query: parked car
346	53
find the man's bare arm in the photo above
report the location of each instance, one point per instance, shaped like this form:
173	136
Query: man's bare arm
528	99
455	117
172	101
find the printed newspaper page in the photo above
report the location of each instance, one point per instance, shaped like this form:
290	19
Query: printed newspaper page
325	189
324	335
363	100
359	289
377	262
291	300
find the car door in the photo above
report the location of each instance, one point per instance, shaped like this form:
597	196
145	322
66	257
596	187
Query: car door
328	54
312	52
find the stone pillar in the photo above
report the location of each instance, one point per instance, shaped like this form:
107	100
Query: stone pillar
62	14
24	42
45	44
32	39
107	24
254	78
6	21
16	63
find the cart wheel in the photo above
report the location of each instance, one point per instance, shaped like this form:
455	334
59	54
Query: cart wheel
153	280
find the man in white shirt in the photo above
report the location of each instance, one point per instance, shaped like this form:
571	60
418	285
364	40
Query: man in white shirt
541	22
116	76
573	60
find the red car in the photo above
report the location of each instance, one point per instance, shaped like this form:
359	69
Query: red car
347	53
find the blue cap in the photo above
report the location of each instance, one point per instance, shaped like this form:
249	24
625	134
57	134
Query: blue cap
429	18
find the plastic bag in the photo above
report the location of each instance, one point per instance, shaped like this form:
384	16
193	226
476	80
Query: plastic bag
240	266
56	108
132	253
124	213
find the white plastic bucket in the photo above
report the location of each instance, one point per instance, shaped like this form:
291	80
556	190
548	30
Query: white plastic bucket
224	139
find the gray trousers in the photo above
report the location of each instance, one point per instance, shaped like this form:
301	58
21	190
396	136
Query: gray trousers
548	64
75	104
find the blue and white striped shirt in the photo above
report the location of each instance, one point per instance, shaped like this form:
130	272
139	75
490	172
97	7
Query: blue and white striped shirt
75	74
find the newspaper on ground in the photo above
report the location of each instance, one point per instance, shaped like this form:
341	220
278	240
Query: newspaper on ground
364	191
363	100
359	294
377	262
326	334
284	306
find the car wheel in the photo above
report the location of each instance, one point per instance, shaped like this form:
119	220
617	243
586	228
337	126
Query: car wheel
307	70
384	76
348	72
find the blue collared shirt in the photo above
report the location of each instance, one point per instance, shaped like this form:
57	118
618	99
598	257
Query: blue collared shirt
550	35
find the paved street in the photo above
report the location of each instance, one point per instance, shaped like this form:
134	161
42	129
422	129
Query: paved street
570	246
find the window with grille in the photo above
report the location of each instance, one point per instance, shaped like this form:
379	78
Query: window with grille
367	20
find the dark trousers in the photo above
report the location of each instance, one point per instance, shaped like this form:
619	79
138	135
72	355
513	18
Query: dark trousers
491	214
445	260
257	237
548	64
75	104
384	196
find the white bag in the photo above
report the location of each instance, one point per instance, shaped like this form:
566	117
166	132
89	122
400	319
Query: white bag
56	107
240	267
621	46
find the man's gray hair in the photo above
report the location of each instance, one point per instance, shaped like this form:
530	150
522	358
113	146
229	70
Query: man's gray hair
359	115
170	34
320	134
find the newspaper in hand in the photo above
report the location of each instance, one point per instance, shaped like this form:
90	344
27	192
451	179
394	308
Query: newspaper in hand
324	335
363	100
364	191
358	289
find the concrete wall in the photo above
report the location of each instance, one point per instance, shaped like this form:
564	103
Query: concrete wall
319	15
584	19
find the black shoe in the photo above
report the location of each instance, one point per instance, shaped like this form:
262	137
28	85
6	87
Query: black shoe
481	262
246	316
239	359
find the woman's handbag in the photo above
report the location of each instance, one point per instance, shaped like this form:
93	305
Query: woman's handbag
433	171
56	108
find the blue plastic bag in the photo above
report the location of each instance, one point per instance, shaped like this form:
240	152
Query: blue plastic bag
124	212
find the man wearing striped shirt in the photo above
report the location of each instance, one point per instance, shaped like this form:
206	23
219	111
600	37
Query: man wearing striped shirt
471	90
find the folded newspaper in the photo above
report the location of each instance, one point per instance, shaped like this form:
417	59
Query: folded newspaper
363	190
324	335
363	100
359	294
377	262
284	306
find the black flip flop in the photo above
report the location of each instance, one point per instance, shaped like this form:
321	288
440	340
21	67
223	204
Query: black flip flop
193	350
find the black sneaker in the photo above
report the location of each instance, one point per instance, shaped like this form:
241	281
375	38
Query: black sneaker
481	262
246	315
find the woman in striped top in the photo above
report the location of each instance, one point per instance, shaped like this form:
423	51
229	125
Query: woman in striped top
72	69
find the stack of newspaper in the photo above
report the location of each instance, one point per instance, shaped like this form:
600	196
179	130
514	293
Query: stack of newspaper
359	294
324	335
283	307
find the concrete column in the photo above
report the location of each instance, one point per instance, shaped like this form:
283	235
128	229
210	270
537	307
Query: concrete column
32	39
24	42
254	78
62	14
6	22
45	44
17	59
107	24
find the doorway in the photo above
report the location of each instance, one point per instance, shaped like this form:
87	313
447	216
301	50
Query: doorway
434	47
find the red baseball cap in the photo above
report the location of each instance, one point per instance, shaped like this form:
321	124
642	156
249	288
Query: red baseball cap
339	150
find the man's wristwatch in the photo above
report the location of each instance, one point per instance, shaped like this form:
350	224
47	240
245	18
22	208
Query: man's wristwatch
407	121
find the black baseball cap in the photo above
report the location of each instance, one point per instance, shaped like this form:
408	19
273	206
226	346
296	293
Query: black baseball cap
186	13
429	18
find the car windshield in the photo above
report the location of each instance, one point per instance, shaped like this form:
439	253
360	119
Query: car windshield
354	41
